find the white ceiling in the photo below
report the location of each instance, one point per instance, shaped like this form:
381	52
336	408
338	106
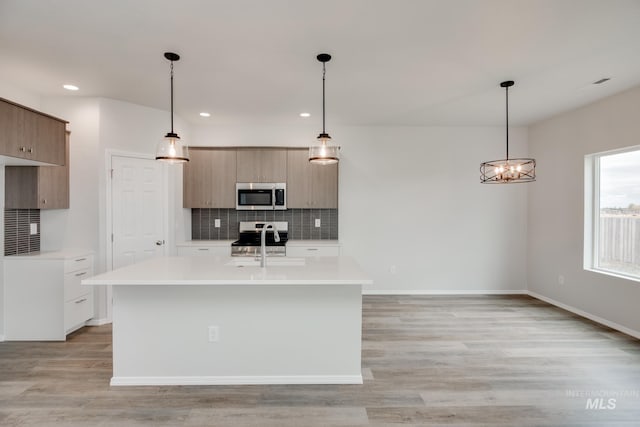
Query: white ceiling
395	62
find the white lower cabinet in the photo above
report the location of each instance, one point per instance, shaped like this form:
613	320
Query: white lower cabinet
205	250
298	250
44	297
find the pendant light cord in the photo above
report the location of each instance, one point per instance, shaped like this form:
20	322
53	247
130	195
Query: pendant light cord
507	116
172	97
324	71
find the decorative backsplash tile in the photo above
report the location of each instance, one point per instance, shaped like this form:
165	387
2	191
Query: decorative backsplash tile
17	226
301	223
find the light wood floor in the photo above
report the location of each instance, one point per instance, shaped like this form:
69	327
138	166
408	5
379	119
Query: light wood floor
466	361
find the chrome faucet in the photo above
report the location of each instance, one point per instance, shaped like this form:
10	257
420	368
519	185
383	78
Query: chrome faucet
263	241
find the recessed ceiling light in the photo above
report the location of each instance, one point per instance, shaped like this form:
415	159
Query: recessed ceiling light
305	114
603	80
203	114
70	87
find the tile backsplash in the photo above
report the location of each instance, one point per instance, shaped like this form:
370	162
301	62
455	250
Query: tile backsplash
17	226
301	223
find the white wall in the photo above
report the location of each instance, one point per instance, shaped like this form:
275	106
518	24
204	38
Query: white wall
99	127
27	98
410	197
555	237
411	200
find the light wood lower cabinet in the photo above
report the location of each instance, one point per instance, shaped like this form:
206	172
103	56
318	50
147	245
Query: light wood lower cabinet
308	185
44	299
209	178
38	187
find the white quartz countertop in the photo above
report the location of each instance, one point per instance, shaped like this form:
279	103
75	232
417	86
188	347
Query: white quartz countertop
217	271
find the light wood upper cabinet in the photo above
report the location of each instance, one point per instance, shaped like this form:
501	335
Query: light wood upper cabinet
28	134
209	178
309	185
9	124
38	187
262	165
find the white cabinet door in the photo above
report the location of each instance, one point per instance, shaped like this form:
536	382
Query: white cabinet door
44	299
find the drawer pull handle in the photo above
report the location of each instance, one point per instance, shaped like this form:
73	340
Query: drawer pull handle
203	249
312	249
81	259
80	301
81	274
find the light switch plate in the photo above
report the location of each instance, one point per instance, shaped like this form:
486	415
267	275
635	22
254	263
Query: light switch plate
33	229
317	222
216	223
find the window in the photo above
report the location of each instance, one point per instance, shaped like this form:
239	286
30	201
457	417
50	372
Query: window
612	213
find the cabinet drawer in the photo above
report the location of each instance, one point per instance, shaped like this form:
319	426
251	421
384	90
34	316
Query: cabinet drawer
72	287
78	263
78	311
312	251
205	251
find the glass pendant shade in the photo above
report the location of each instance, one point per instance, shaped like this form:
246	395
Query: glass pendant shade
172	150
508	170
323	153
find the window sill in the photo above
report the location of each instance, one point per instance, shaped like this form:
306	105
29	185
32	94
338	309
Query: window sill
613	274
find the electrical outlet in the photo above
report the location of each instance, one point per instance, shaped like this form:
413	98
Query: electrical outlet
33	229
393	269
561	279
216	223
214	334
317	222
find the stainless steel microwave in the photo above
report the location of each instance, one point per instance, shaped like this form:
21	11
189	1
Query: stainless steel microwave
261	196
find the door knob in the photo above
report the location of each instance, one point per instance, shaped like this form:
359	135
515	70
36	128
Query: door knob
159	242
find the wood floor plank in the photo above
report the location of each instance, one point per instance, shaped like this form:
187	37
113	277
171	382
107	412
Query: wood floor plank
427	360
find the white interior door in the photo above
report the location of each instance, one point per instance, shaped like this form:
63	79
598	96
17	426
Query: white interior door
138	214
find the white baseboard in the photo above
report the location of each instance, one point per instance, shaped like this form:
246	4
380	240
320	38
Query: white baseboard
98	322
237	380
597	319
442	292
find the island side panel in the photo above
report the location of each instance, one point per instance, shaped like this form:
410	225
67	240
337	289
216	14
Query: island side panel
267	334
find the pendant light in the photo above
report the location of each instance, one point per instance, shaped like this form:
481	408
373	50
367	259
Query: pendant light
508	170
171	149
323	153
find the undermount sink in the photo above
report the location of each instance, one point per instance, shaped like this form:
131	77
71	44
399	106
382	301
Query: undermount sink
271	262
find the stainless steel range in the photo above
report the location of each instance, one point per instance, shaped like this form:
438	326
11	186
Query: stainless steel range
249	242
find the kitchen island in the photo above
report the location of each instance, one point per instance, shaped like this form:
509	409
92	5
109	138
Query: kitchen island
223	320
